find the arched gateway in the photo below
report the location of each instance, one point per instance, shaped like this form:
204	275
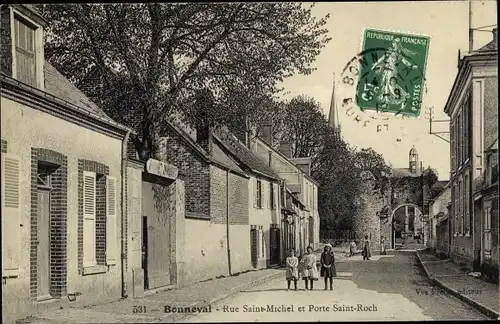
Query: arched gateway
407	225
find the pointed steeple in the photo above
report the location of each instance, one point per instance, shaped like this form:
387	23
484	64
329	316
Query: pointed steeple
333	118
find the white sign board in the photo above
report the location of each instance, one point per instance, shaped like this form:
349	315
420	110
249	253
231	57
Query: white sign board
162	169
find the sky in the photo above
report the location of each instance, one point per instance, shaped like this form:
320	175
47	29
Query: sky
445	22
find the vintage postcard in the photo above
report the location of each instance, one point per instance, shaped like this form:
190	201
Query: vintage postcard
249	162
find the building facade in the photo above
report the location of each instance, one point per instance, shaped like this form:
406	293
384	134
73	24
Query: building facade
473	110
439	208
62	201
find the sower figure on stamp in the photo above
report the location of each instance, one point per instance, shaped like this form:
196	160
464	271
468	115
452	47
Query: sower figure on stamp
328	270
309	269
292	269
366	249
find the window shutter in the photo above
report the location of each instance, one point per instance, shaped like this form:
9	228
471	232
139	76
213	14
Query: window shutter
111	220
11	214
254	185
268	196
89	228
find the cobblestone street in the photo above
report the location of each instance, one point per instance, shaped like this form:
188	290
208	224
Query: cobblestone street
391	287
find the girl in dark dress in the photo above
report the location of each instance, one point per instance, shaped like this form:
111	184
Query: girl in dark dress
366	249
328	270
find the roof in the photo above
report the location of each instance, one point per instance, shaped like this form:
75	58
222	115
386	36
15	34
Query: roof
493	147
57	85
402	173
413	151
288	160
491	46
243	153
439	185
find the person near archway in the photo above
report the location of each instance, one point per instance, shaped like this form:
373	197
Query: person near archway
366	249
382	245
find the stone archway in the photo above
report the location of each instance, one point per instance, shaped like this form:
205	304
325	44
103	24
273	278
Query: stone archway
412	229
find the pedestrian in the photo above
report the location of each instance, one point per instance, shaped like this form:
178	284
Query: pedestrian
366	249
328	270
382	245
352	249
292	270
309	268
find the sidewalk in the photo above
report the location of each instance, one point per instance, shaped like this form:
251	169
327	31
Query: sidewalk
150	309
482	295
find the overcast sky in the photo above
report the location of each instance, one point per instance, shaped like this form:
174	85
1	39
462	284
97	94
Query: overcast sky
445	22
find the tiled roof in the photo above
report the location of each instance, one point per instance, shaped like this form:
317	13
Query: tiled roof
57	85
494	146
491	46
439	185
402	173
242	153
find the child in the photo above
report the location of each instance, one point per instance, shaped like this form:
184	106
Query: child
310	272
292	271
352	249
328	270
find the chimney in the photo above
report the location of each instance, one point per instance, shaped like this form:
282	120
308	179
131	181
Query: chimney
286	149
266	134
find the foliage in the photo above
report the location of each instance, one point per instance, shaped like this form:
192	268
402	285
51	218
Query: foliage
367	160
143	61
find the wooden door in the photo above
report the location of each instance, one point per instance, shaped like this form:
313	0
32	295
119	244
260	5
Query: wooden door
158	238
43	236
274	248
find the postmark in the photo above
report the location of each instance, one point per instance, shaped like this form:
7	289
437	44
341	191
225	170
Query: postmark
386	79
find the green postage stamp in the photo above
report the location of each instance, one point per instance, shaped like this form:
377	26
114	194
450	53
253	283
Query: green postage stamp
393	80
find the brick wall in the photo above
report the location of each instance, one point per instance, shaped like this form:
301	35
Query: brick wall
101	170
6	41
196	175
58	221
238	200
490	111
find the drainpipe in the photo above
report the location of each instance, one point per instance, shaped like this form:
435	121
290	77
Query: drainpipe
227	222
123	256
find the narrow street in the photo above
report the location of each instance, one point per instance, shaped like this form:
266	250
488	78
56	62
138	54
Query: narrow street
390	287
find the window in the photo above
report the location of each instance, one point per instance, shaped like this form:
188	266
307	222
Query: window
99	219
466	114
466	205
487	231
460	139
259	194
271	196
461	205
262	244
25	52
455	208
11	215
452	146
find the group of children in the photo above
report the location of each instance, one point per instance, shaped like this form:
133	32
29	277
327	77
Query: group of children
307	268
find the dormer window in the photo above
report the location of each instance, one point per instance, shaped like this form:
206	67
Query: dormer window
22	31
24	40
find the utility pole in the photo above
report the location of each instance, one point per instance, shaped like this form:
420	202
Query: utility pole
429	114
471	31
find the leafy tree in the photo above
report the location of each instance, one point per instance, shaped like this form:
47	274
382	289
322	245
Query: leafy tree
305	126
370	160
143	61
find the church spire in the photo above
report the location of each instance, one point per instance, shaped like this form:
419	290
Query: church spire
333	118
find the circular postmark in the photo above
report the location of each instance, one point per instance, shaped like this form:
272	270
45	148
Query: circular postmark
385	82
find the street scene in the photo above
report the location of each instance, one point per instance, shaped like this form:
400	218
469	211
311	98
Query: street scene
237	162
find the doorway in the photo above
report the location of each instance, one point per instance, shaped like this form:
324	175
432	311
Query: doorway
43	233
144	249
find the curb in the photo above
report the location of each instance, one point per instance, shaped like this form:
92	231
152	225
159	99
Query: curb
174	317
483	309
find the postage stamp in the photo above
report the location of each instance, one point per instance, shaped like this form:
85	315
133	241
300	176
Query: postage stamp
393	82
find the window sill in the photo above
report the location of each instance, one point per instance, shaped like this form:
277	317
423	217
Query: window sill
95	270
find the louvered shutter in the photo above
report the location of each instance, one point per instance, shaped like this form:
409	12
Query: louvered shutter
111	230
268	196
254	187
453	148
89	224
11	214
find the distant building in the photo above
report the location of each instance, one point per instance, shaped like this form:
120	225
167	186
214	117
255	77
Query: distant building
473	109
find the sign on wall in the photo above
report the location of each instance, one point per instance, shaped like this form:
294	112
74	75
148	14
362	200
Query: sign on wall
162	169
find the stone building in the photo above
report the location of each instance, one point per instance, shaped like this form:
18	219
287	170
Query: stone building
472	106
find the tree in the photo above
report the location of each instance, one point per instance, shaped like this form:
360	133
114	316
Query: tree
140	62
369	160
305	126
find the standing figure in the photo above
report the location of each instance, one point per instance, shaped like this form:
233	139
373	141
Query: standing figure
382	245
309	269
366	249
352	248
328	270
292	269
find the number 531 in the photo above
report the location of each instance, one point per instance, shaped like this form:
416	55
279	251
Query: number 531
368	91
